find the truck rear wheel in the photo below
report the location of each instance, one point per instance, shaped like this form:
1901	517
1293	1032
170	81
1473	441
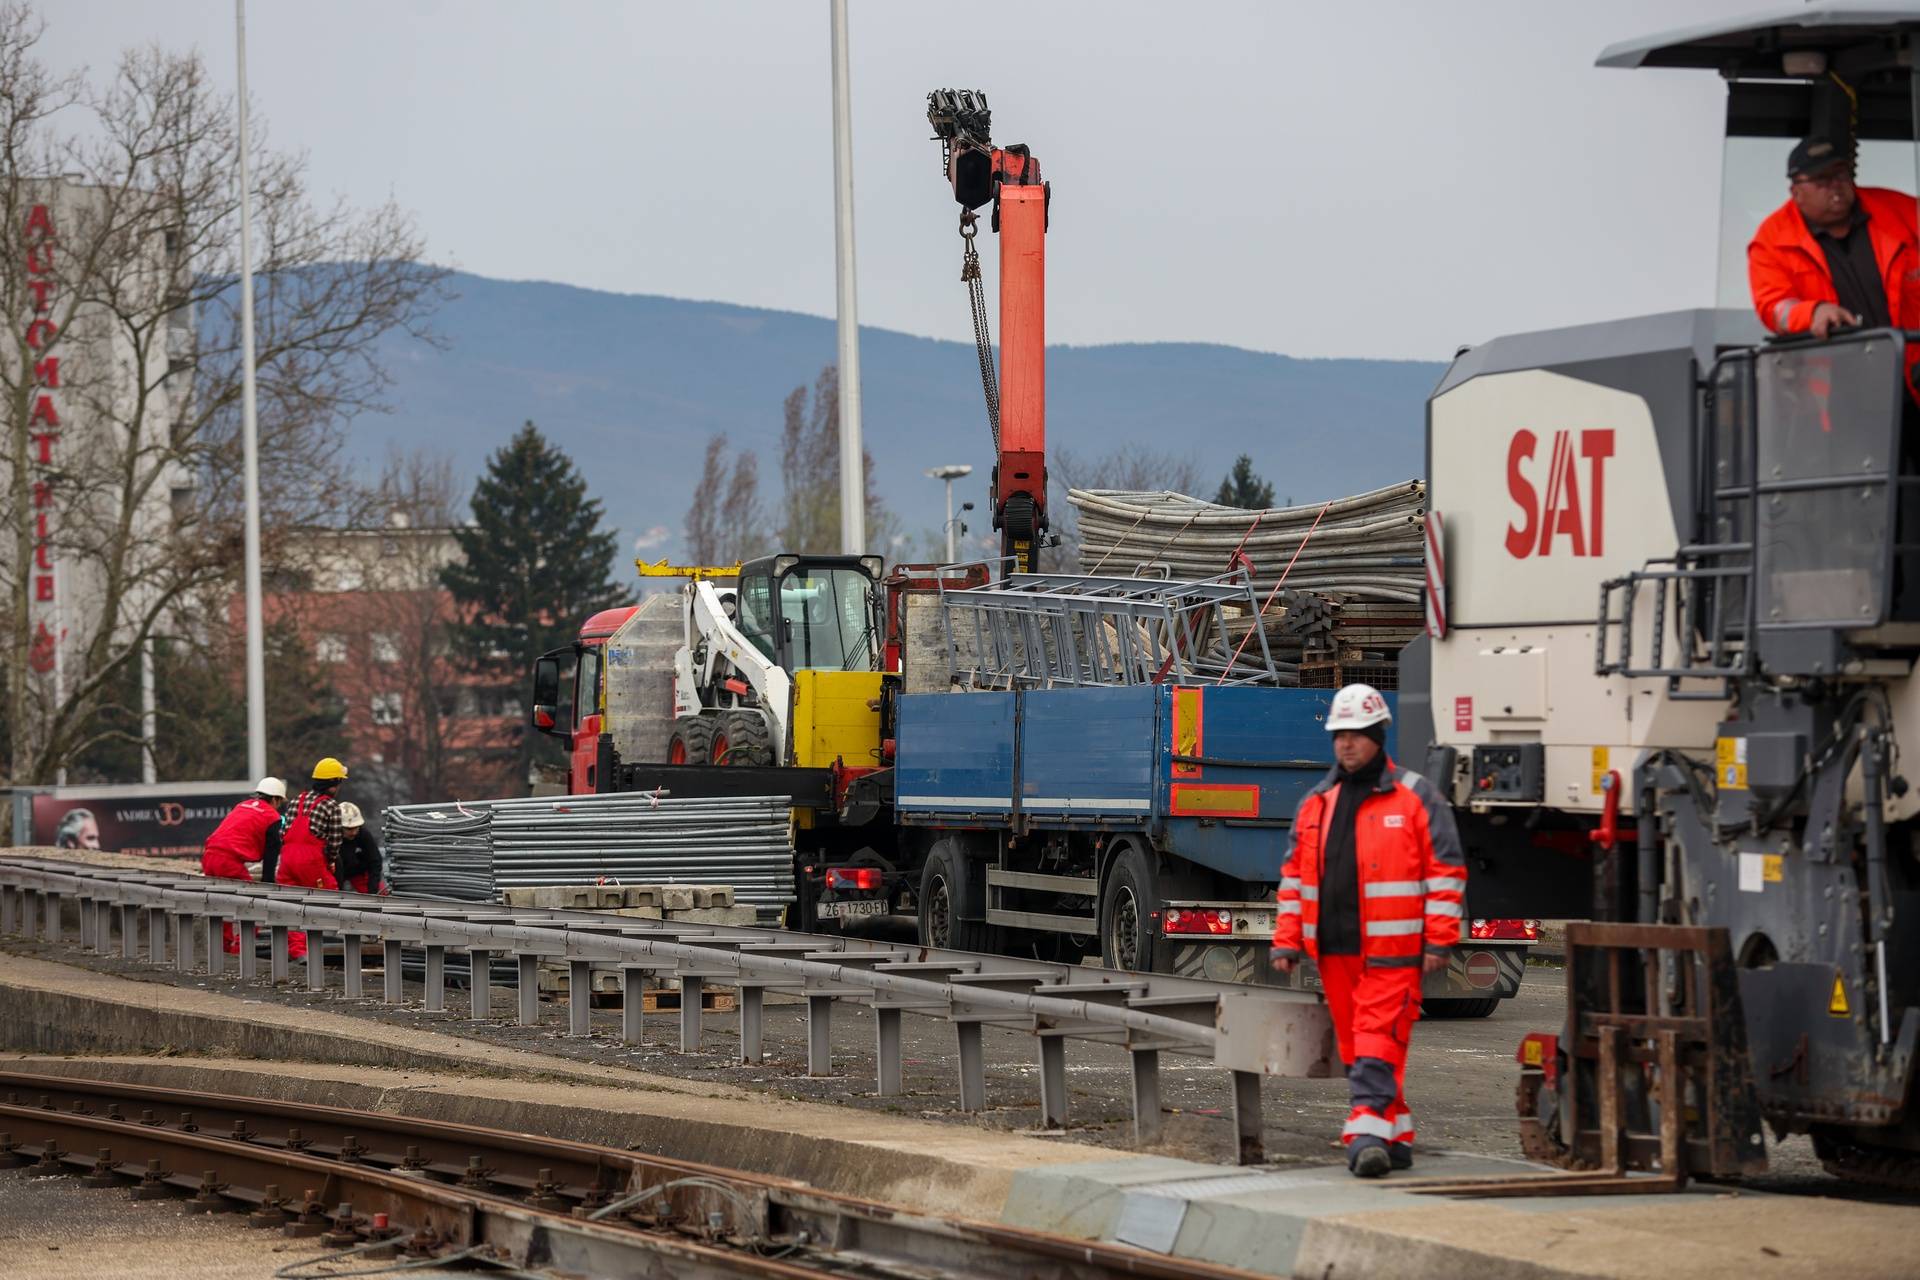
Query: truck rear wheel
691	741
741	738
1459	1007
945	888
1129	912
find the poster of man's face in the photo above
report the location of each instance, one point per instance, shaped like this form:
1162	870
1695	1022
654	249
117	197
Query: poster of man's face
161	827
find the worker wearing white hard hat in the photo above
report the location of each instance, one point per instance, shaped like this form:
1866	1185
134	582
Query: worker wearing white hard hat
1372	891
250	833
358	864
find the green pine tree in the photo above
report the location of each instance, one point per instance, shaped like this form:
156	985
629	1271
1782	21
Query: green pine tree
533	568
1243	489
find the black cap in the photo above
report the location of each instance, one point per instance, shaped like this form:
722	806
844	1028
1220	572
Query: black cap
1816	153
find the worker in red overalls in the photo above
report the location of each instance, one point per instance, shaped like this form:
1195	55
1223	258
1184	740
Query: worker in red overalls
310	837
1372	891
249	833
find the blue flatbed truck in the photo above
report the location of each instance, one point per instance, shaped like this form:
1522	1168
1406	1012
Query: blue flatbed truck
1145	824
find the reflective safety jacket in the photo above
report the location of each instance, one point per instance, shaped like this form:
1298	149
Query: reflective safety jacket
1413	877
1789	275
245	835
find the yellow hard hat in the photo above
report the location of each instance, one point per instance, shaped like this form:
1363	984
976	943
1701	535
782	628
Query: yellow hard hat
329	769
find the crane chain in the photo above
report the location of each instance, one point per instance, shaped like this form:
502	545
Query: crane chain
982	336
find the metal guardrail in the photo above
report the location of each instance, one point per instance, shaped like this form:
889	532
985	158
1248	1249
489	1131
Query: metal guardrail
1247	1031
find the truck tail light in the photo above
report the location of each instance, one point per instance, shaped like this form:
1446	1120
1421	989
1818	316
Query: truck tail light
1198	920
853	877
1505	930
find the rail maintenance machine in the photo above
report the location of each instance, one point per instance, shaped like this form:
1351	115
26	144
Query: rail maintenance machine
1675	611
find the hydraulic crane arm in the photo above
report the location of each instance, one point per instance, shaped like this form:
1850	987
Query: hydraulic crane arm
1009	179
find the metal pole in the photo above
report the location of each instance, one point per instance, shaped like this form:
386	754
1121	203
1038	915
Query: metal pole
853	516
950	554
149	720
250	436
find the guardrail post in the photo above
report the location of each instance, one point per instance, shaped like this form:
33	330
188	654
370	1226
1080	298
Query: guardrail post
479	984
1053	1082
9	908
183	928
393	974
886	1035
633	1003
156	936
819	1035
316	961
436	978
216	945
350	966
579	997
1146	1096
53	917
691	998
86	924
249	950
973	1067
129	931
528	984
277	949
752	1022
1246	1117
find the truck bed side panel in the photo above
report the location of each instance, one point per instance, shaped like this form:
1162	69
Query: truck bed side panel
954	756
1089	754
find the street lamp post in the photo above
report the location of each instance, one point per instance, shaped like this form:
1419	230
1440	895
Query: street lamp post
951	472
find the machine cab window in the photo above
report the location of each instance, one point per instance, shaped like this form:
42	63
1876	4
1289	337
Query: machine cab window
814	613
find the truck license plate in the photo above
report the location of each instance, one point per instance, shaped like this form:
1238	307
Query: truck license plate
851	907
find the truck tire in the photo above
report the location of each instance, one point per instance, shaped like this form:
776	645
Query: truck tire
1459	1007
741	738
1129	911
691	741
946	882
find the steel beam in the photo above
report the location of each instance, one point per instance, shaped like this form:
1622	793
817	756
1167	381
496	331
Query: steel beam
436	978
886	1037
393	972
479	984
1146	1096
973	1067
1053	1082
278	948
529	989
1247	1122
579	997
692	993
350	975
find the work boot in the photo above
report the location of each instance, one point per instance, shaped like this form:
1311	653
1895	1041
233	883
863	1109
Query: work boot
1371	1161
1401	1153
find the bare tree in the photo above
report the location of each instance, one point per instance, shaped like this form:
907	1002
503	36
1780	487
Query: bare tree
120	381
724	518
810	465
1131	467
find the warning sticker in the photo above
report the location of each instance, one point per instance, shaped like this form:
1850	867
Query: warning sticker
1463	714
1730	763
1837	1005
1597	782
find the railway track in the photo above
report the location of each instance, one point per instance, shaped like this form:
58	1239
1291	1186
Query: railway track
397	1188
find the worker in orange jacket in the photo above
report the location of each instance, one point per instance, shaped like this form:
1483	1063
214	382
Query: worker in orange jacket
1372	891
1836	255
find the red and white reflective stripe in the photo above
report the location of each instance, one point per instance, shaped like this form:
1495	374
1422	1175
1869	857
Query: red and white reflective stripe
1436	577
1370	1124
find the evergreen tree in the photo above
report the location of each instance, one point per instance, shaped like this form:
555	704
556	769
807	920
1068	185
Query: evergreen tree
533	566
1243	489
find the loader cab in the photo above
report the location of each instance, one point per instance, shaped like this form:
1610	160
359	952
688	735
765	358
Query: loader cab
811	613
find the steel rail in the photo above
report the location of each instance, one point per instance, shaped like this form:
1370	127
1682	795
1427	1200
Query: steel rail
1248	1031
532	1199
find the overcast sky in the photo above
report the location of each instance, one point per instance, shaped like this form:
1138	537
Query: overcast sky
1356	179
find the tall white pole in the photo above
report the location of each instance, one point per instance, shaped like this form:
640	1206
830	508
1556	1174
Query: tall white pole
853	481
950	555
149	716
250	438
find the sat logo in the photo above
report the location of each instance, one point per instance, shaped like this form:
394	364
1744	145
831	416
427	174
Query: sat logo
1567	507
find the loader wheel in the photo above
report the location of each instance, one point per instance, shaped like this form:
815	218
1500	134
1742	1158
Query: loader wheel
742	739
692	741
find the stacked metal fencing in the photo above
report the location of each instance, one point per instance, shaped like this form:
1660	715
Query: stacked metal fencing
472	850
1367	547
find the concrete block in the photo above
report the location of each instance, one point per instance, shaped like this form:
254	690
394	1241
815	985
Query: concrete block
676	897
644	895
641	913
712	895
731	916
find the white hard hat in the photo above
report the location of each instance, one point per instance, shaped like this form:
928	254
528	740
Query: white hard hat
1358	706
350	815
270	787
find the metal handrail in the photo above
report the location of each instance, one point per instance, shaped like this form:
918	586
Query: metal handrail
1248	1031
